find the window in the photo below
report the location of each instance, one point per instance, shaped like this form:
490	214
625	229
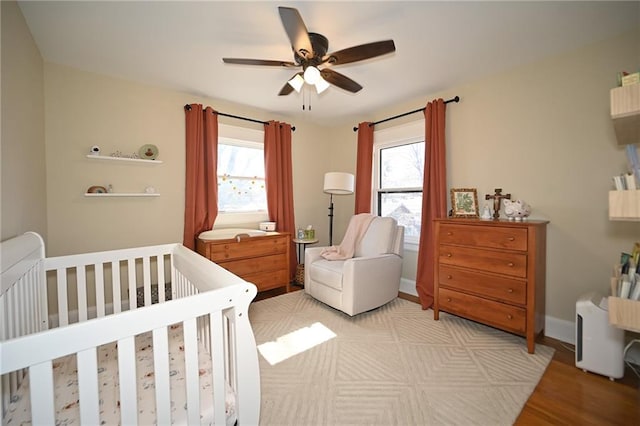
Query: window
397	177
242	196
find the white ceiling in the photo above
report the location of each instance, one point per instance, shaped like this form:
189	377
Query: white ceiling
439	45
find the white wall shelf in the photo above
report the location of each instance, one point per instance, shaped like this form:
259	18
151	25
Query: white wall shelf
133	160
122	194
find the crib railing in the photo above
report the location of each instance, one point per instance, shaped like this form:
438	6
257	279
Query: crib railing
210	302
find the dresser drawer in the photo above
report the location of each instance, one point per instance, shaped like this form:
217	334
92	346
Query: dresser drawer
508	263
247	248
484	236
268	280
252	266
496	287
496	314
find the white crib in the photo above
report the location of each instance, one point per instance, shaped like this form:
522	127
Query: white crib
210	375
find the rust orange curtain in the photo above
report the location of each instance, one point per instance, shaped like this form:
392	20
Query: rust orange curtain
201	184
364	168
278	170
434	197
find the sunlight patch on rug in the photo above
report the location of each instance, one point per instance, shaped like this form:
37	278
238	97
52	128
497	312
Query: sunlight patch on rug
294	343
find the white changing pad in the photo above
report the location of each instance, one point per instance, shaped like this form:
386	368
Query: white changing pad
225	234
66	386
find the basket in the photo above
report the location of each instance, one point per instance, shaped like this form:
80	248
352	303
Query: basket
299	278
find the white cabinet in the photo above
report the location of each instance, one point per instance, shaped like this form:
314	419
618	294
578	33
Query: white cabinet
625	113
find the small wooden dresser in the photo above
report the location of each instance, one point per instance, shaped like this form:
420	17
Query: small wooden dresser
492	272
261	260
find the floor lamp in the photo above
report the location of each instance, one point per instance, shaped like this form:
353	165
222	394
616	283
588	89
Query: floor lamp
339	184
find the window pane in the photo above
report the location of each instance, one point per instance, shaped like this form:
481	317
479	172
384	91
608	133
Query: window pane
241	184
240	161
405	208
402	166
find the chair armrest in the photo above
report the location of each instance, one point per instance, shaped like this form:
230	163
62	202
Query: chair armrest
361	274
311	254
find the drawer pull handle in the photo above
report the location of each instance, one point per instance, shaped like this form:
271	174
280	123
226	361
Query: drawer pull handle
510	290
510	264
509	316
449	233
448	299
449	277
448	254
511	238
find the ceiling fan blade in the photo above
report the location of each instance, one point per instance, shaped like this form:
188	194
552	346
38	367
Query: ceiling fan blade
242	61
296	31
361	52
340	80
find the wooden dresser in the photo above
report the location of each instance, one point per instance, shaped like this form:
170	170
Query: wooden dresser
261	260
492	272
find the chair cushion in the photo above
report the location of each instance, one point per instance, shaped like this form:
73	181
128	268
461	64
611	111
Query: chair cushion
327	272
378	239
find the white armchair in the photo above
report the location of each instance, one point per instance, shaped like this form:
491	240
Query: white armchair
368	280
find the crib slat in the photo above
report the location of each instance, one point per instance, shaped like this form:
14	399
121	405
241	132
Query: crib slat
127	376
217	358
99	283
161	283
81	275
191	371
41	377
161	374
131	269
88	387
146	280
63	309
115	284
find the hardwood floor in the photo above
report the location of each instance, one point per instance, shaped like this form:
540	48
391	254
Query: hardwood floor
567	395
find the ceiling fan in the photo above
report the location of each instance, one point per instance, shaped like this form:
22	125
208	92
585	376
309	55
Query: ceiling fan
310	52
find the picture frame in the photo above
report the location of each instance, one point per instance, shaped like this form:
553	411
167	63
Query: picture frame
464	202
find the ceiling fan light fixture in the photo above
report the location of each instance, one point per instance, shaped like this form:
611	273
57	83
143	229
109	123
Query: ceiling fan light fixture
311	75
296	82
321	85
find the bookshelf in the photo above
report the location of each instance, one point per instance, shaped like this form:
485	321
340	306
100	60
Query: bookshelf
624	205
625	113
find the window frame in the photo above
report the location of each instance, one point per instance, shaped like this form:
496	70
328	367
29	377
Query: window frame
399	135
240	136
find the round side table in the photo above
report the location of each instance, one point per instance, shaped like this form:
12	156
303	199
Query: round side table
301	244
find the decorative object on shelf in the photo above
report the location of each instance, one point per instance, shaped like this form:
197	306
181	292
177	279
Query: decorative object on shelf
97	190
516	210
148	152
496	201
149	190
486	213
110	189
95	150
119	154
340	184
464	202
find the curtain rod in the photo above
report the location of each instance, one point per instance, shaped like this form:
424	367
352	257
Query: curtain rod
253	120
456	99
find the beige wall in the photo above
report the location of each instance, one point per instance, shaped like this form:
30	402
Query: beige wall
85	109
22	182
541	132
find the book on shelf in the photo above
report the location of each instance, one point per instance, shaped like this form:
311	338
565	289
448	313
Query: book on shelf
626	281
630	180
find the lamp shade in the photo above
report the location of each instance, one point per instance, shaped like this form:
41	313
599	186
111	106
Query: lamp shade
338	183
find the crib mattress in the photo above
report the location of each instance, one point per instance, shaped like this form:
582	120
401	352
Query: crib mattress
66	386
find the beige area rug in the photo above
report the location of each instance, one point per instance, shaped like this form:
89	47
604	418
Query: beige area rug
391	366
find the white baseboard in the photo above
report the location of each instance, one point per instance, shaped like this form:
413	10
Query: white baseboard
553	327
